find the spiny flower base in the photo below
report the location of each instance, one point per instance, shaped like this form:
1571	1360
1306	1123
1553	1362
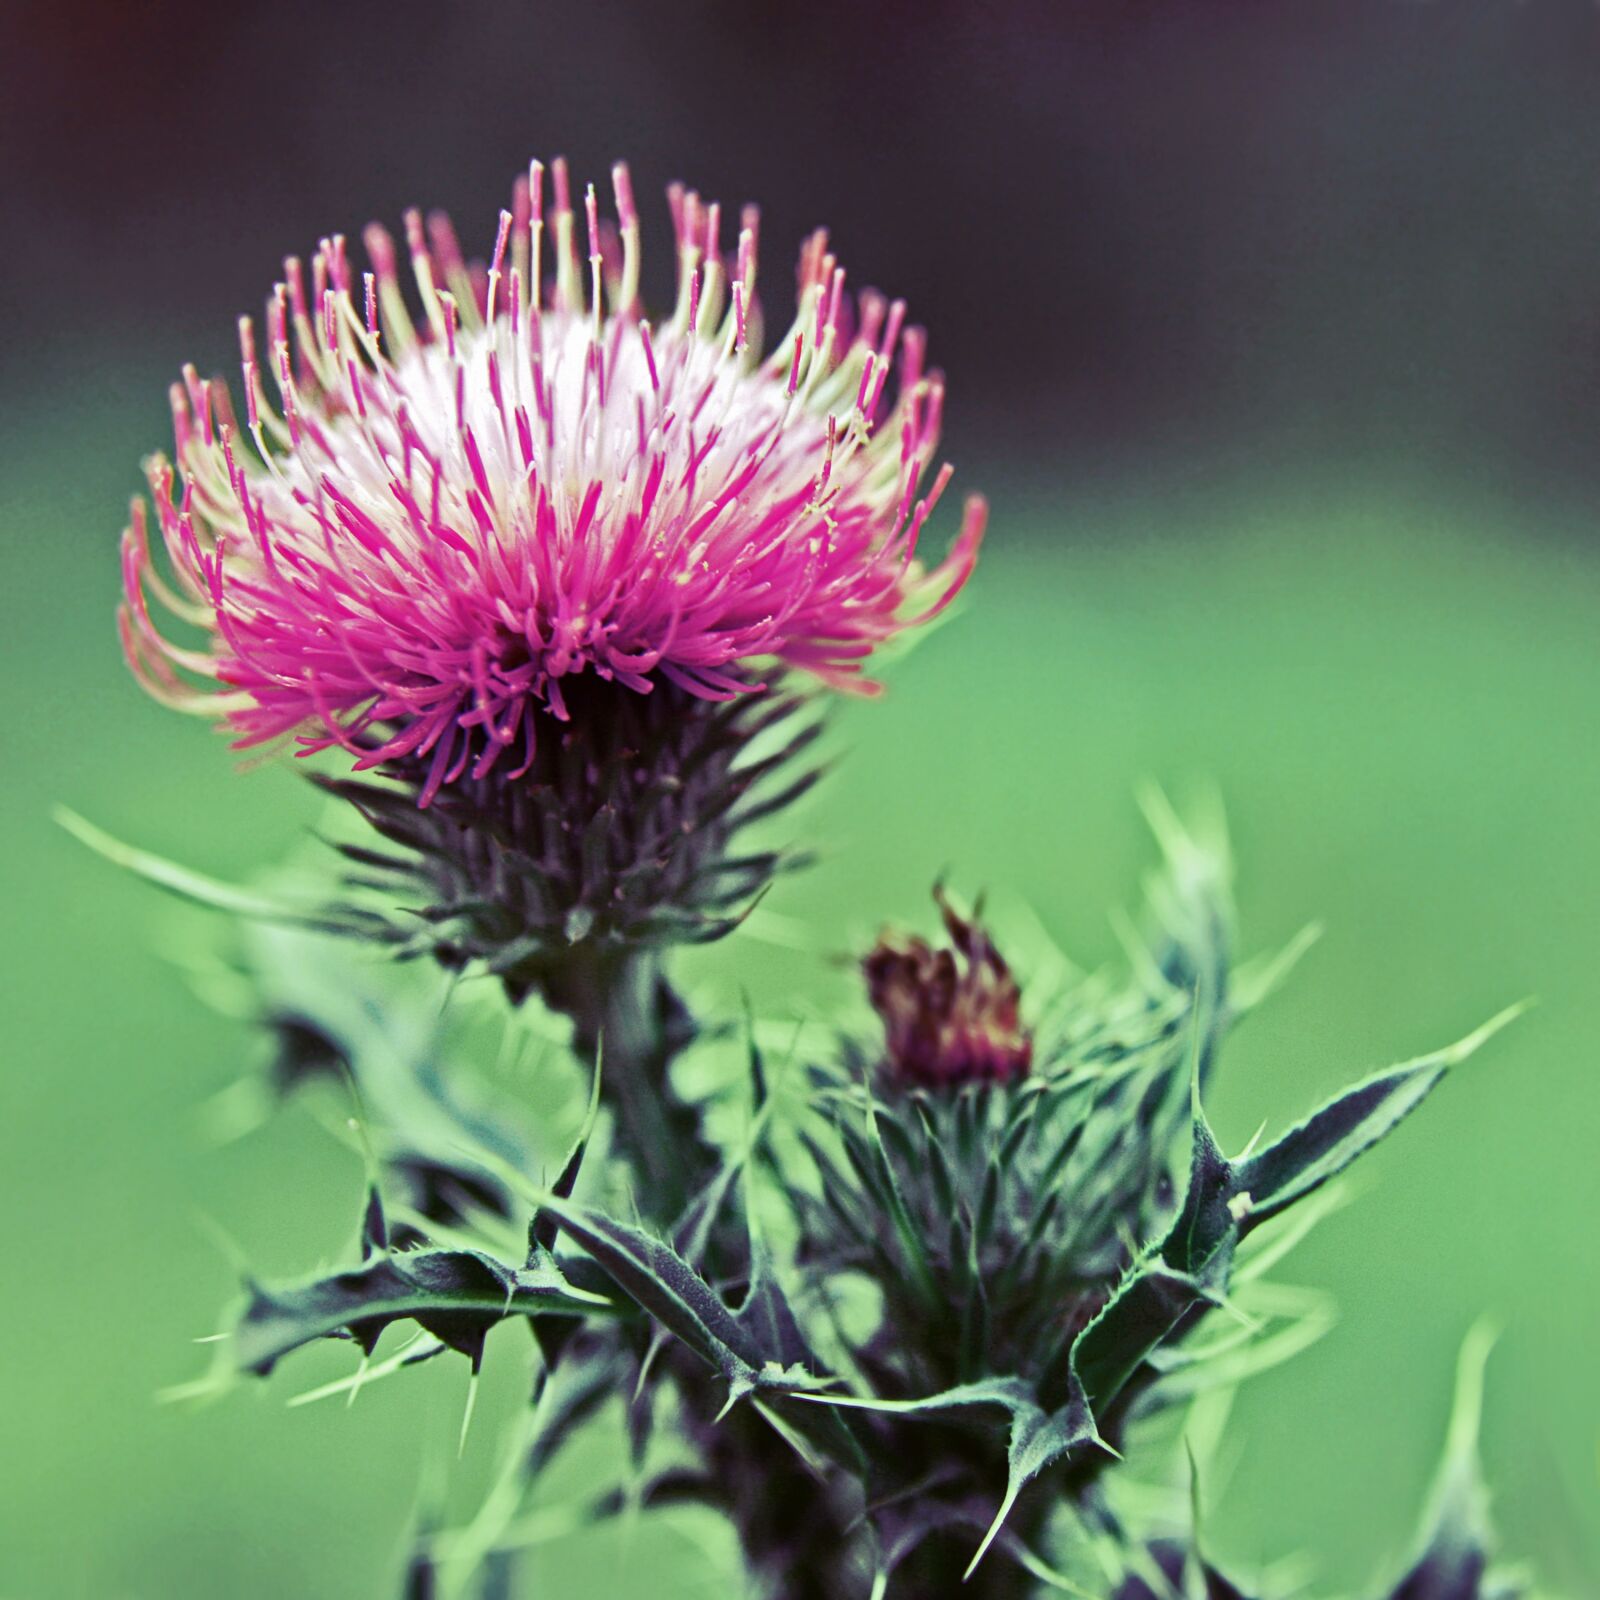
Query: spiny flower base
615	837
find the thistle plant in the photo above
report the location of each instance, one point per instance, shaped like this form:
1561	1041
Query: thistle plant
919	1301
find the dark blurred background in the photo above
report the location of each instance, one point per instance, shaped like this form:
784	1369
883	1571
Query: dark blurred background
1229	230
1272	333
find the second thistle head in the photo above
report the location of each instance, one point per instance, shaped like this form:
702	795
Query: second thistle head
454	527
950	1016
994	1160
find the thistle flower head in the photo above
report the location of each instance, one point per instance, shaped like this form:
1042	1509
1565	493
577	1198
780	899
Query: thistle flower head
1000	1192
442	521
950	1016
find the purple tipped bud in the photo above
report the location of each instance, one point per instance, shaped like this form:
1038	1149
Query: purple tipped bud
950	1016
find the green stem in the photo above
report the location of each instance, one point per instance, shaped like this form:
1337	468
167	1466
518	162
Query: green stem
801	1536
627	1016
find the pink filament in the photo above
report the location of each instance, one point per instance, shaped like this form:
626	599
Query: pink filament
444	520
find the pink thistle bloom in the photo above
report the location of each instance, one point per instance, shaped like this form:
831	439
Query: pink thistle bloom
444	518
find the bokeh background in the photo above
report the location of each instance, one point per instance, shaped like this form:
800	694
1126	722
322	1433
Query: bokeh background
1274	336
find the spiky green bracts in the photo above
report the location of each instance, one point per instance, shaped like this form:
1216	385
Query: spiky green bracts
908	1340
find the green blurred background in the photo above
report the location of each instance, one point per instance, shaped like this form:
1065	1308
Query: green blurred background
1272	337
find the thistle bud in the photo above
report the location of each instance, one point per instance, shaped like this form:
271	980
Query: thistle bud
950	1016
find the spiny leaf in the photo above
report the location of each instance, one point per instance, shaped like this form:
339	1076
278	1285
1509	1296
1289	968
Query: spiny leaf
187	884
1147	1306
542	1228
456	1295
1455	1548
1189	1269
1206	1224
765	1311
1037	1438
1327	1142
657	1279
1223	1200
1037	1441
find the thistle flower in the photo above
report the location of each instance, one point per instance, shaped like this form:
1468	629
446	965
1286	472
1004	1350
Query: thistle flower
446	522
951	1016
1001	1192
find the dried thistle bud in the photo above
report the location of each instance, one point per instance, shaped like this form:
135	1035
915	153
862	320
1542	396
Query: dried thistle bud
951	1016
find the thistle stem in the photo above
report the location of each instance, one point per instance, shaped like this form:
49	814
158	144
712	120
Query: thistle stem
628	1018
801	1536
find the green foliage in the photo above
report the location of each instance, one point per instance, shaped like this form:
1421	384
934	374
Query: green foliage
1047	1255
457	1296
757	1348
1453	1559
1037	1251
1453	1562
